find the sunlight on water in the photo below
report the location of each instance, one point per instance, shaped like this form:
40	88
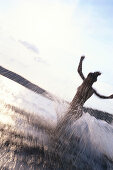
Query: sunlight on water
6	115
9	90
14	94
27	138
6	119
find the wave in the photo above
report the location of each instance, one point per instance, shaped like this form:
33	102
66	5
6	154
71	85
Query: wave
29	138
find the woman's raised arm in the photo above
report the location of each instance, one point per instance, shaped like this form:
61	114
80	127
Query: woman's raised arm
80	67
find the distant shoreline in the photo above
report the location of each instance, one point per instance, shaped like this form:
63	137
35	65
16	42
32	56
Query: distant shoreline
33	87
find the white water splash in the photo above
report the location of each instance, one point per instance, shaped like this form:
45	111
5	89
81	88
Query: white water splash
96	136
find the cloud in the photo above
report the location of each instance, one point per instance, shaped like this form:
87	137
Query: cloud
40	60
34	49
29	46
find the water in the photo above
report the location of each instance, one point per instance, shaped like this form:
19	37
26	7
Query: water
29	141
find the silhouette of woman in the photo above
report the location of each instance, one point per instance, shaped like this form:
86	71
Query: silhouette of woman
75	111
85	91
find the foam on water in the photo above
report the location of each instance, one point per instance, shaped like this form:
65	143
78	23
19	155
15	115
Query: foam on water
24	127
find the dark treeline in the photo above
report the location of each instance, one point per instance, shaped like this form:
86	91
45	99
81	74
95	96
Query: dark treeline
21	80
26	83
99	114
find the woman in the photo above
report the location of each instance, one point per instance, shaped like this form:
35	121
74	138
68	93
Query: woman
85	91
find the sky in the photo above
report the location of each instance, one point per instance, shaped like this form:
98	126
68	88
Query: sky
43	41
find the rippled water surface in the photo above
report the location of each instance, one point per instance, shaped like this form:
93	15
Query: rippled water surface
28	141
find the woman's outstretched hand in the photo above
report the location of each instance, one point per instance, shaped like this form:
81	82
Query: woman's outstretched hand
82	57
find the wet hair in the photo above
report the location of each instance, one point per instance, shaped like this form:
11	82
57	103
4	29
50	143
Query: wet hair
93	76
